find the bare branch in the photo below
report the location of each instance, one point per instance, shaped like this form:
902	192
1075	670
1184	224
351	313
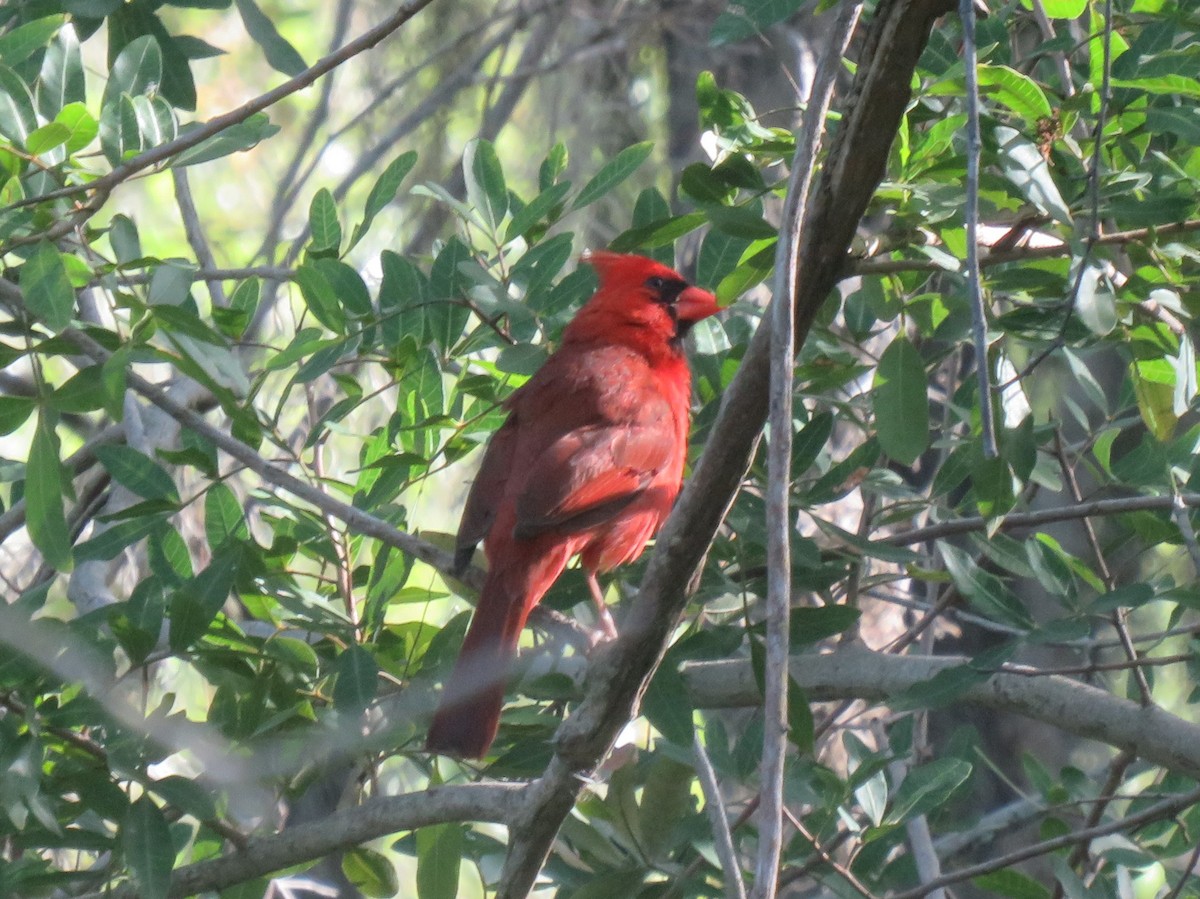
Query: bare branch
779	485
735	888
879	266
966	12
339	830
1016	520
1164	809
1077	708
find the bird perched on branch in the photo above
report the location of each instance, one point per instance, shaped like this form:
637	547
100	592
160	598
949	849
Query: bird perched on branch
588	463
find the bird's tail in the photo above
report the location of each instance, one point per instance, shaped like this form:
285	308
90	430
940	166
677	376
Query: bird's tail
468	713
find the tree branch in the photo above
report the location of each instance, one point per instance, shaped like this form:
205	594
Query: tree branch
779	461
339	830
1150	733
1015	520
880	266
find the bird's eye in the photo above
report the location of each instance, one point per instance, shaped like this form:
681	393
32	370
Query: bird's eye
656	283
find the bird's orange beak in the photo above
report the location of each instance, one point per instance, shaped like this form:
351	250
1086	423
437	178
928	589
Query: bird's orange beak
694	304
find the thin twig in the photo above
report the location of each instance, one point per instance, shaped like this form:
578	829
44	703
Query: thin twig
1183	521
1119	616
966	11
779	463
1185	875
1156	812
194	231
825	856
881	266
735	888
288	187
1015	520
1116	771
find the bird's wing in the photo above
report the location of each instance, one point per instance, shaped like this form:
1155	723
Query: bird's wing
486	492
589	475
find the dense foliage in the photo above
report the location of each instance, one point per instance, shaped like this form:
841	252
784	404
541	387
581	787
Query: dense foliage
244	379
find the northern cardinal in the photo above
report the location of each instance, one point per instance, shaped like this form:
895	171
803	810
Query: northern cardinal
589	462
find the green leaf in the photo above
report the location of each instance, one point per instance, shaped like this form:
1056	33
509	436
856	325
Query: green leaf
146	842
137	70
81	127
357	680
112	376
484	178
383	192
403	295
1060	9
613	173
234	139
740	221
14	411
196	603
900	400
1018	92
113	539
749	18
61	81
22	42
986	592
439	854
1095	304
659	233
319	295
532	214
44	496
1010	883
138	623
719	255
1169	85
668	706
1029	172
348	287
46	138
120	131
17	118
193	47
370	872
223	518
666	801
137	472
280	54
323	223
812	624
47	289
446	316
926	788
186	795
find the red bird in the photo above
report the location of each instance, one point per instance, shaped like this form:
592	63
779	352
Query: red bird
588	463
